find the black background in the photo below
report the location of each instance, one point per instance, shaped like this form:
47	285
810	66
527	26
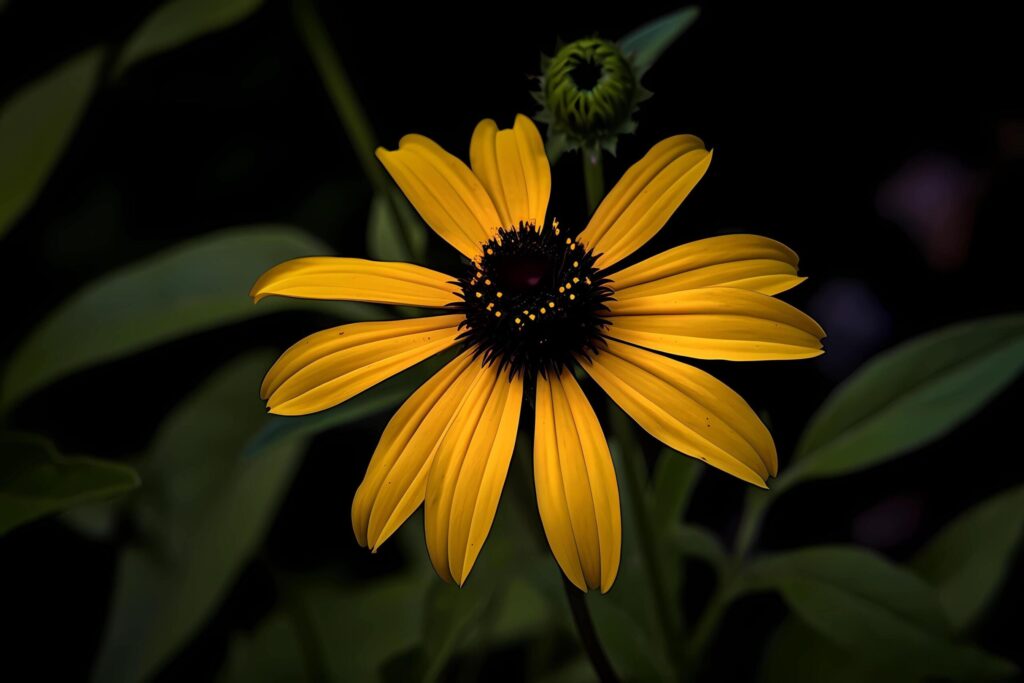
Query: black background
810	112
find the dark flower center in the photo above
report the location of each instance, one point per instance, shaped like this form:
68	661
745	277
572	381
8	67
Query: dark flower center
586	74
533	300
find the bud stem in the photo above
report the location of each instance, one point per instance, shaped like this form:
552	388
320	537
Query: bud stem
593	178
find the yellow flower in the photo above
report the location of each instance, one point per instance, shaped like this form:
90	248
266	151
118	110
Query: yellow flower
535	300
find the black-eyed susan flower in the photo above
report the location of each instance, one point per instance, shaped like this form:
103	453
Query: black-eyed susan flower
534	300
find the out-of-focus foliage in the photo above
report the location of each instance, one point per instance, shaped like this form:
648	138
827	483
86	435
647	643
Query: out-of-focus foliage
969	559
889	618
181	21
36	124
910	395
36	480
644	45
188	288
201	514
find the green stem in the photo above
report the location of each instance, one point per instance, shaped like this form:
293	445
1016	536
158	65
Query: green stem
755	507
636	483
593	178
346	104
588	634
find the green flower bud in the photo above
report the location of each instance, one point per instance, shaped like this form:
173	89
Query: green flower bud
589	93
589	88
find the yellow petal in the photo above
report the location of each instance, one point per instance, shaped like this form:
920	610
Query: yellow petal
577	494
468	472
645	198
514	169
396	477
333	365
354	279
719	323
687	409
444	191
744	261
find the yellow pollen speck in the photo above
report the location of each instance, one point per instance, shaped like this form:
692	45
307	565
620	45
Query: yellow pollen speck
490	252
551	304
561	290
487	282
499	295
572	296
576	280
479	294
568	240
587	280
572	246
575	264
518	321
554	222
543	310
568	285
526	311
490	306
533	317
497	314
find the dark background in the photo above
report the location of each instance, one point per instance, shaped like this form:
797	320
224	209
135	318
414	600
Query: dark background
886	148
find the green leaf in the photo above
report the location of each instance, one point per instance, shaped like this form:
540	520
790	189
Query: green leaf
386	239
675	477
271	653
697	542
36	125
796	653
386	395
194	286
178	22
969	559
35	480
646	44
861	603
910	395
360	628
203	512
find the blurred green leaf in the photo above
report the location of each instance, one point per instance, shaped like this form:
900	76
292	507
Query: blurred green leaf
386	395
675	477
194	286
647	43
796	653
968	560
862	603
699	543
35	480
909	396
203	512
178	22
271	653
36	125
386	239
632	653
360	628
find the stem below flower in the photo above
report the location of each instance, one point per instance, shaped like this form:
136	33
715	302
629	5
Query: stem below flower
588	634
593	178
346	104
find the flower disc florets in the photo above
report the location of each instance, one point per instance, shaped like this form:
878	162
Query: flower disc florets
533	300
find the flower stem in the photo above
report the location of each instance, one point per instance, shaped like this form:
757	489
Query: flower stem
755	506
346	104
588	634
593	178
